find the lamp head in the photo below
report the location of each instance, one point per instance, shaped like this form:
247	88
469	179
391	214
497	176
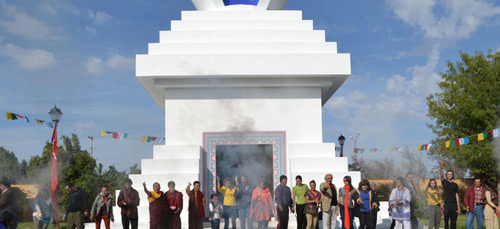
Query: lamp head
55	114
341	140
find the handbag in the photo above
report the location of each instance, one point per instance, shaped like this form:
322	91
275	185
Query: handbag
311	208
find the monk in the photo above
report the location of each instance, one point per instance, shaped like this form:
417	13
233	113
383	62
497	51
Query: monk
196	205
174	202
156	202
262	206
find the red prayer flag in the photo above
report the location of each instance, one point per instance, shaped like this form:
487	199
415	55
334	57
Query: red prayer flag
116	135
54	182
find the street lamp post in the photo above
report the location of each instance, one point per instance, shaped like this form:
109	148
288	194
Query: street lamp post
341	142
355	150
55	115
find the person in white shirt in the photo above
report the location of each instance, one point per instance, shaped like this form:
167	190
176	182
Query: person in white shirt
215	211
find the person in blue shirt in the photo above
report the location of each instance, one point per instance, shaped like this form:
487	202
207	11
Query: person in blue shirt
284	202
366	202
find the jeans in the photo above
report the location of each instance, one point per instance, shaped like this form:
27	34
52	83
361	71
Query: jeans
283	217
229	211
263	224
434	216
351	216
127	221
478	213
215	223
301	216
450	214
329	218
245	220
373	223
365	219
413	216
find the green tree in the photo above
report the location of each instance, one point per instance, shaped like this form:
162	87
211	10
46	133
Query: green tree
134	170
468	103
9	165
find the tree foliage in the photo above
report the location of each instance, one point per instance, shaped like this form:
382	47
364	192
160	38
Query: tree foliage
468	103
9	165
75	166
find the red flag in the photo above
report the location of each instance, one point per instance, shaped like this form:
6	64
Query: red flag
54	183
116	135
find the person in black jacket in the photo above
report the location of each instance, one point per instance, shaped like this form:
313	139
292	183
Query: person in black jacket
77	207
375	204
8	202
243	199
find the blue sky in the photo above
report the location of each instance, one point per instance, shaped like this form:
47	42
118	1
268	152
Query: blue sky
81	56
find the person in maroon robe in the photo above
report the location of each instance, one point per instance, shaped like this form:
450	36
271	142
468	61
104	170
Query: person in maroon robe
196	206
128	200
156	200
174	201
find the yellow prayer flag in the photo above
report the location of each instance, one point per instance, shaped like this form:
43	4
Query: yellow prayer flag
447	144
480	137
104	133
144	138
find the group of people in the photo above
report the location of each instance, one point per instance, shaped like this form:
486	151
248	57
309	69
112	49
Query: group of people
260	204
480	200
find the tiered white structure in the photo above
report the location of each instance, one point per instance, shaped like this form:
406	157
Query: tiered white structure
239	71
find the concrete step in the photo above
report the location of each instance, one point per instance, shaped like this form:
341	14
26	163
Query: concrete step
249	47
243	36
176	152
161	166
242	25
242	15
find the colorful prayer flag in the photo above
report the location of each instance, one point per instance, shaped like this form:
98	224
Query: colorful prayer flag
144	138
11	116
116	135
447	144
39	122
496	133
104	133
464	141
482	136
428	146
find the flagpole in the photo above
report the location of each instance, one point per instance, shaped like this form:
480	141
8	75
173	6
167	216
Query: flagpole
55	114
54	182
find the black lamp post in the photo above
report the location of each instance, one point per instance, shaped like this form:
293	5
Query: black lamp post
341	142
55	114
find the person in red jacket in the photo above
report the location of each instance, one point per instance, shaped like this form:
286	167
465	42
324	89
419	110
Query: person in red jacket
174	202
473	201
196	206
128	200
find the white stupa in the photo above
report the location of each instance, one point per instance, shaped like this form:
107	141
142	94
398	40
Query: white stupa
240	73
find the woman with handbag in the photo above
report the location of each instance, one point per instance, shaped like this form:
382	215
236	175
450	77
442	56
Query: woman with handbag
262	206
313	198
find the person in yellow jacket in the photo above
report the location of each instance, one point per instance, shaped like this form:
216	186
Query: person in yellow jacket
435	204
229	191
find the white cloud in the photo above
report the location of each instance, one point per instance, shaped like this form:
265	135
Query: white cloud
99	17
90	30
84	127
96	66
28	58
460	20
19	23
441	23
120	62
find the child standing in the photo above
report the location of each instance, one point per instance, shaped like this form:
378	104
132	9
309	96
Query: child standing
215	211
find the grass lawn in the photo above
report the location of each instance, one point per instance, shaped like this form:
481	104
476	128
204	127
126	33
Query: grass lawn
460	222
25	225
